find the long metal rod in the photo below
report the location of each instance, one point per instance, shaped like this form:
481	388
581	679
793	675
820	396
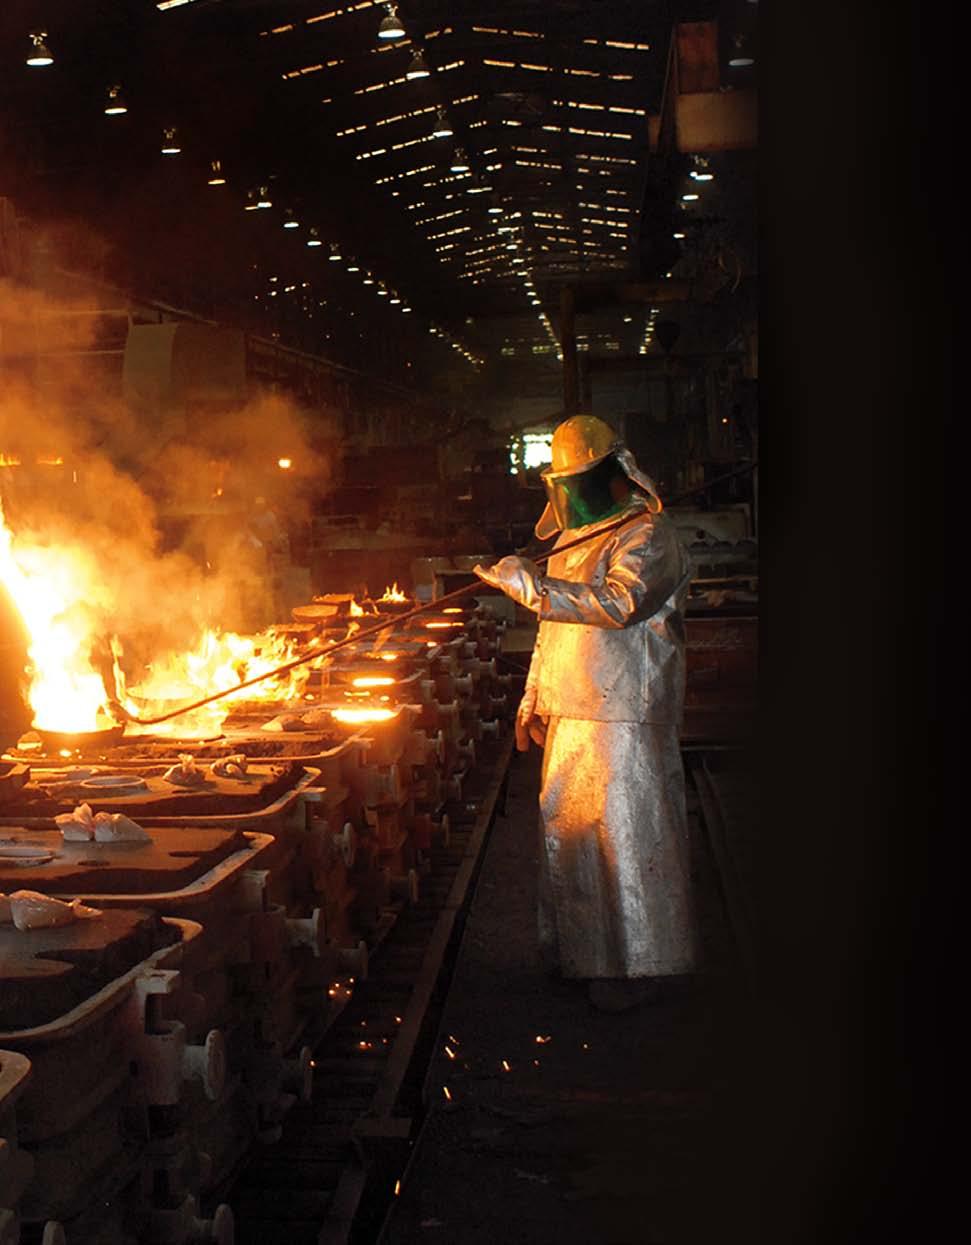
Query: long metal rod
396	621
425	607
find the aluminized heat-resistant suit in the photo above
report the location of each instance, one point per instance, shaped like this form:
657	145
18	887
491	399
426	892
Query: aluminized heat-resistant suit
608	673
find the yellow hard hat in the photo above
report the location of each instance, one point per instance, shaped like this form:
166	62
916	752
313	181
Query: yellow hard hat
580	443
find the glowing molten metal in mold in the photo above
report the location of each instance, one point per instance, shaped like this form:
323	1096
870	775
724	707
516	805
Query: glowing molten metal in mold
363	714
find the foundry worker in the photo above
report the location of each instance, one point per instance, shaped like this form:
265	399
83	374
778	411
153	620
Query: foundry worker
604	698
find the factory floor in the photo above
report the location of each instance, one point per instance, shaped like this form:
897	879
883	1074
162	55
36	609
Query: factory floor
614	1130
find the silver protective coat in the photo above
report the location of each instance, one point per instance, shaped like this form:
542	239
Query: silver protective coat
608	674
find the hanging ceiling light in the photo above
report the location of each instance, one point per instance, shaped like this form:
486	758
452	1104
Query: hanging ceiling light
494	209
353	266
460	161
215	174
442	128
394	300
740	58
170	142
418	67
289	220
368	279
40	53
314	240
264	200
335	253
391	27
115	105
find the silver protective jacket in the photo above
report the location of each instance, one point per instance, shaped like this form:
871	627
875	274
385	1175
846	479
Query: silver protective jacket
608	675
610	646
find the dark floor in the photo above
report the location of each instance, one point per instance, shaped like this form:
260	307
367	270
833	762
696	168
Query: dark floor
611	1130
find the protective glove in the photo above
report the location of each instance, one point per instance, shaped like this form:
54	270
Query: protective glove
517	578
529	726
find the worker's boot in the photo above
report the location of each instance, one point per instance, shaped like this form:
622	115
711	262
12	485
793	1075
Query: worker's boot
618	994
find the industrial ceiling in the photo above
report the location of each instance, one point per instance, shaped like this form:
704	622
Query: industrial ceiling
457	174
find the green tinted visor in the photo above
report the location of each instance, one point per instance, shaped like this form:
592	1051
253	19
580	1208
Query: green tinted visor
586	496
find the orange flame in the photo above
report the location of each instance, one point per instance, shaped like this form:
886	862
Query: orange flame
373	680
49	587
53	587
393	593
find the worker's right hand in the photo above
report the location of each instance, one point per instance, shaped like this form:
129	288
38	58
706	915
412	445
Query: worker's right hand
529	725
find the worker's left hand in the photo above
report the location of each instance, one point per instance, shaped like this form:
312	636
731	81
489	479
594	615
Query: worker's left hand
516	577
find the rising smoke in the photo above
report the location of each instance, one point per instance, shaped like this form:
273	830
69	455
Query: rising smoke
168	535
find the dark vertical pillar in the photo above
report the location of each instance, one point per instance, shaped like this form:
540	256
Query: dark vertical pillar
568	345
586	383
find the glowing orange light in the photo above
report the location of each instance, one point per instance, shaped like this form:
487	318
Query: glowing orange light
393	593
373	680
439	625
50	462
542	1039
355	610
284	463
452	609
447	1092
397	1187
506	1066
362	714
9	460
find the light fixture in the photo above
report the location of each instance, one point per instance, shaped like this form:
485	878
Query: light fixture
40	53
690	198
460	162
442	128
289	220
395	300
740	58
170	142
264	200
314	240
216	174
368	279
678	235
335	254
353	267
418	68
405	309
115	105
382	291
391	27
495	210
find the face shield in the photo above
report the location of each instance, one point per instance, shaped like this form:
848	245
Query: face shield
588	496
